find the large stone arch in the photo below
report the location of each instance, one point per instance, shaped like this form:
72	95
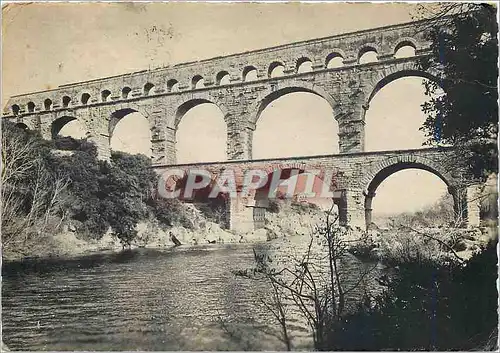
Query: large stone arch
183	105
260	197
119	111
58	123
272	93
371	179
30	122
115	113
186	102
282	88
376	175
388	74
384	76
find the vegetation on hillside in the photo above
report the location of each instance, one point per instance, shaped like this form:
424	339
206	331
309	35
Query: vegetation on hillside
44	189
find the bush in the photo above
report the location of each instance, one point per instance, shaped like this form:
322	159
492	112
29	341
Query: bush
428	307
215	210
98	195
170	212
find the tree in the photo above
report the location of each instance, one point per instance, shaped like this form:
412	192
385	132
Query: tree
129	183
464	52
32	196
313	283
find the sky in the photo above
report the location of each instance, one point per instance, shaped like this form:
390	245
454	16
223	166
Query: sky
46	45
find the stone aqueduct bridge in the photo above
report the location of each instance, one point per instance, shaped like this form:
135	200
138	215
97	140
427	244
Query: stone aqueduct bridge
164	95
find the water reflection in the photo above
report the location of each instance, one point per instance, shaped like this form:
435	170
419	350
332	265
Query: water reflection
181	299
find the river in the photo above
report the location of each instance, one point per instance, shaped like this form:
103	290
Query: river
184	298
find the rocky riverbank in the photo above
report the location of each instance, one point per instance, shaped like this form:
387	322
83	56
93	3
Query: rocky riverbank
288	219
67	243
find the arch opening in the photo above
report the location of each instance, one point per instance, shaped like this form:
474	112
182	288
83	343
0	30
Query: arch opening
147	88
85	98
249	74
68	126
47	104
304	65
31	107
334	60
404	50
197	82
298	190
300	119
172	85
213	208
394	115
394	198
22	126
129	132
105	95
222	78
276	69
125	92
367	55
65	101
201	132
15	109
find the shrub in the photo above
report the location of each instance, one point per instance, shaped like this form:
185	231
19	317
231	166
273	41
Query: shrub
429	307
170	212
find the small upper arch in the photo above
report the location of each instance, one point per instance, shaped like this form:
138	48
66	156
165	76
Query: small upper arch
304	64
249	73
172	85
22	126
47	104
15	109
222	78
65	101
31	107
126	91
105	95
335	59
197	82
147	88
276	69
405	47
85	98
367	54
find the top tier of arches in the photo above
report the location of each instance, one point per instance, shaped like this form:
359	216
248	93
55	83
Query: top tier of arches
294	59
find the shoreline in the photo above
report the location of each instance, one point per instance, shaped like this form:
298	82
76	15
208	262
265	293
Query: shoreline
67	246
89	253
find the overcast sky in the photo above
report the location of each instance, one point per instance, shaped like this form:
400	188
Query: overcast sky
46	45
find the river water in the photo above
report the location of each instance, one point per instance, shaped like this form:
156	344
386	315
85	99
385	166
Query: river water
185	298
